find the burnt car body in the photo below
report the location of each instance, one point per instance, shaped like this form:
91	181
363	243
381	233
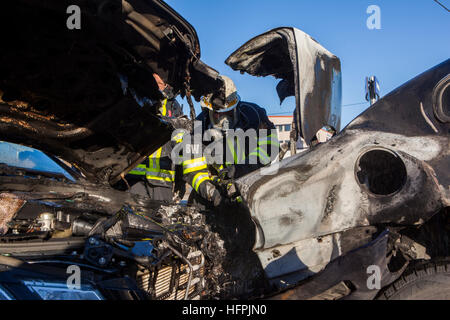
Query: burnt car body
379	189
387	170
375	195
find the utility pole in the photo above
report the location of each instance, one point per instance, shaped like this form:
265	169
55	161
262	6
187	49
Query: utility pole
372	89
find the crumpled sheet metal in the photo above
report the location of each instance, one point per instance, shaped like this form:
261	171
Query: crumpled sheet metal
354	266
308	71
9	206
320	192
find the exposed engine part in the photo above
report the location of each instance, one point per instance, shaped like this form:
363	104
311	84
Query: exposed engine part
37	217
177	281
81	227
216	235
98	252
62	217
46	221
167	269
179	252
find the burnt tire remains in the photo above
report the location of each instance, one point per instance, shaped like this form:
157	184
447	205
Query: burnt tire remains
430	281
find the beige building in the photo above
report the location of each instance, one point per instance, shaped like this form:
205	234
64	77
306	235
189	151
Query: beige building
283	125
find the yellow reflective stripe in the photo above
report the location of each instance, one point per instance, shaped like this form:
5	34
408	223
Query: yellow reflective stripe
139	170
166	175
154	172
161	170
268	140
260	153
163	109
194	165
166	172
239	150
196	160
137	173
155	155
160	178
263	153
199	178
231	147
218	167
196	168
242	154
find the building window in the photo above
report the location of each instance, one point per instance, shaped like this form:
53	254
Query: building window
287	127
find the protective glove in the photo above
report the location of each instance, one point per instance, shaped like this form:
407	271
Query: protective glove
233	194
209	192
217	198
228	173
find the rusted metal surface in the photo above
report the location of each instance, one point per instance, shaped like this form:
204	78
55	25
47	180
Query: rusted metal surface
9	206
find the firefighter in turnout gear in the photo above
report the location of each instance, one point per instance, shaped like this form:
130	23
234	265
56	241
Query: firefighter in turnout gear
155	176
224	114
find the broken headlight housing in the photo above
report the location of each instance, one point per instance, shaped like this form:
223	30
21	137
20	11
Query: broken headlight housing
60	291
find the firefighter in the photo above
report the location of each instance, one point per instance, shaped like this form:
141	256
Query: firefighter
155	176
224	112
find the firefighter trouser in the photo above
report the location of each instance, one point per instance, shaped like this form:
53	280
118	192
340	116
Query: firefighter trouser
153	192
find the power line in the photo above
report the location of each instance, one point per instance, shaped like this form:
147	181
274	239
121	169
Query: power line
355	104
345	105
442	5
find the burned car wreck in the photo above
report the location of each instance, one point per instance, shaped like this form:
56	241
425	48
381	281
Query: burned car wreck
310	226
87	121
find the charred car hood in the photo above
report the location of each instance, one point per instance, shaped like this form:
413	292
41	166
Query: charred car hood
308	71
61	90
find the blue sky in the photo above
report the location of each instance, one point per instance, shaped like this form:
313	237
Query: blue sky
414	36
